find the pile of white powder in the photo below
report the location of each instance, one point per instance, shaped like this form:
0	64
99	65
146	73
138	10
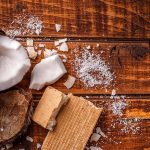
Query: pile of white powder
91	69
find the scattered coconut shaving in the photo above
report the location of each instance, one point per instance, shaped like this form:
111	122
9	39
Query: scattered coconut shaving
28	138
95	137
38	145
48	53
39	52
8	146
95	148
24	24
99	131
58	27
29	42
91	69
32	53
70	82
117	107
41	45
63	47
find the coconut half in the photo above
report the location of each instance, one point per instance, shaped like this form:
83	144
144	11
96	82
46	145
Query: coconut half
14	62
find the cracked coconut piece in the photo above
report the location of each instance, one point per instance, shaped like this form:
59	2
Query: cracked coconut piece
75	125
48	108
47	72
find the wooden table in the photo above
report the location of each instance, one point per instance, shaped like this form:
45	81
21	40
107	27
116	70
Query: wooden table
124	27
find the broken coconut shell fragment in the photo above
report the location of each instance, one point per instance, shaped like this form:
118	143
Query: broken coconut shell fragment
14	62
15	113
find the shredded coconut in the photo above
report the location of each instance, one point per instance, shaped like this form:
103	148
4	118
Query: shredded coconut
99	131
8	146
58	27
28	138
95	137
117	107
91	69
95	148
38	145
24	24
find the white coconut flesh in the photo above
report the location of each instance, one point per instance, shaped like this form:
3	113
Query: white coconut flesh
14	62
47	72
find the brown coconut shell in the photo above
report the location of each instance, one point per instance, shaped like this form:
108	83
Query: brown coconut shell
15	113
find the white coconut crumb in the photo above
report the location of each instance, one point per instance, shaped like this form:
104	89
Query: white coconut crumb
113	92
88	47
58	27
87	96
118	107
56	43
8	146
48	53
62	40
97	45
30	42
1	129
130	125
28	138
70	82
91	69
32	53
41	45
38	145
39	52
2	148
64	60
63	47
95	137
95	148
99	131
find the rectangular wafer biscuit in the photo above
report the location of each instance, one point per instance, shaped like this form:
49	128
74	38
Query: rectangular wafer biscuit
75	125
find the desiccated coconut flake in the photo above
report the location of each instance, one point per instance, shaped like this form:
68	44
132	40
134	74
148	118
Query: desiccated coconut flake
41	45
91	69
95	137
1	129
99	131
8	146
63	47
56	43
24	25
58	27
32	53
30	42
2	148
88	47
117	107
38	145
28	138
39	52
62	40
95	148
113	92
70	82
48	53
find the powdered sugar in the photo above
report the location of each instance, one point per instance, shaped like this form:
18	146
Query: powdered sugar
91	69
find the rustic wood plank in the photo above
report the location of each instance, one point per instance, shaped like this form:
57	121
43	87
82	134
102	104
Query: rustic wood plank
90	18
129	62
117	138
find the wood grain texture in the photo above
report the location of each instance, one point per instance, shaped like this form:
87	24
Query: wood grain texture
129	62
117	139
90	18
